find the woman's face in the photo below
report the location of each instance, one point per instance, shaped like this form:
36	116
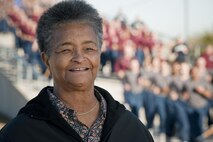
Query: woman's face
75	56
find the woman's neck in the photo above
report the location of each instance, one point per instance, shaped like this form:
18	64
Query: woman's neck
84	103
79	101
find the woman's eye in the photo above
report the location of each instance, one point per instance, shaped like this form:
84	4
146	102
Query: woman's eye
90	49
64	51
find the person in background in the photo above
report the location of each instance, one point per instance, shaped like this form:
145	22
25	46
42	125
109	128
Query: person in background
133	87
181	50
69	36
209	131
123	62
158	92
208	56
177	122
197	92
200	63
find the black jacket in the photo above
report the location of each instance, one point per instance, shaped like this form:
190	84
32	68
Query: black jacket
39	121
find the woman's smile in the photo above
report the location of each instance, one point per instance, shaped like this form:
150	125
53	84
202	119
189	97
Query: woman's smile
82	69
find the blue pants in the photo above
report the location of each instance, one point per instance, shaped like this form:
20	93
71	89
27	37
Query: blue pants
105	56
197	117
177	118
188	120
134	101
154	104
4	27
114	55
140	55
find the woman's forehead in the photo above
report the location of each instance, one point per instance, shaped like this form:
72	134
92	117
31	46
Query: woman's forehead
73	33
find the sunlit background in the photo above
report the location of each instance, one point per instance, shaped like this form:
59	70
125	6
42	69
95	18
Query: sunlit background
167	17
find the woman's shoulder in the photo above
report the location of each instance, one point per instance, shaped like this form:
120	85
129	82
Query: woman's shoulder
14	127
25	127
17	124
129	127
132	120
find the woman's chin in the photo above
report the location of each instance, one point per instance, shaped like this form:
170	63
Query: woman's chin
79	84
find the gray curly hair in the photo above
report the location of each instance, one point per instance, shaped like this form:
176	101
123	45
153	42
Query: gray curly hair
67	12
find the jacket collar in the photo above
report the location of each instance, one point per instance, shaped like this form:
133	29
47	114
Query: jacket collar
41	108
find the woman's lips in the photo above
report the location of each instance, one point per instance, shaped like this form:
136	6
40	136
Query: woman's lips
79	69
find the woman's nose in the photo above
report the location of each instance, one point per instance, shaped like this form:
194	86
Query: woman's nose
78	56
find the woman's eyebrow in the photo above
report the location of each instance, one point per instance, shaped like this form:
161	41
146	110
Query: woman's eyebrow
89	42
64	44
70	43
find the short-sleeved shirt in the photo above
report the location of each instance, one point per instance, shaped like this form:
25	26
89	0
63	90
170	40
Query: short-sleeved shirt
161	81
176	84
132	79
197	100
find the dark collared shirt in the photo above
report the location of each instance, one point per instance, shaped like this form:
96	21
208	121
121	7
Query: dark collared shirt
92	134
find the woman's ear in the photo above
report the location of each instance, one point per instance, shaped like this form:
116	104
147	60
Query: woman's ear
45	59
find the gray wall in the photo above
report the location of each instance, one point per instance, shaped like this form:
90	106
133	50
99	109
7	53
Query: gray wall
11	99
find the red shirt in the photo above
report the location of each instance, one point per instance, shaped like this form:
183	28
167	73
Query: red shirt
122	64
209	60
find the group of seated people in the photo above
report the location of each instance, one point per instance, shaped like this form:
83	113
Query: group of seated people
118	34
20	18
179	91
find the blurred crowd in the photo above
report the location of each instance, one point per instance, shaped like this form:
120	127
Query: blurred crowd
180	92
159	76
162	77
20	18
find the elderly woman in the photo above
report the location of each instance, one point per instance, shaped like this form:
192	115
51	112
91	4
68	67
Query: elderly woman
73	110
